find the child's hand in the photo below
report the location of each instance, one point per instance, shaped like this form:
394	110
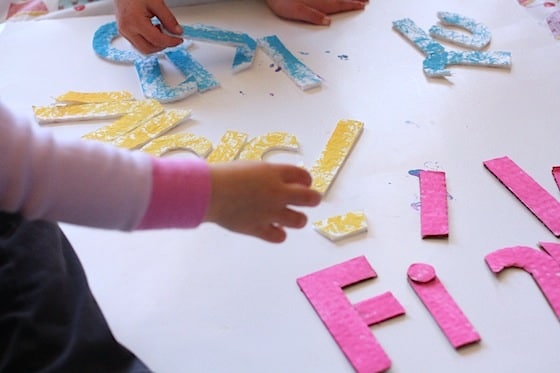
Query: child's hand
313	11
134	23
254	198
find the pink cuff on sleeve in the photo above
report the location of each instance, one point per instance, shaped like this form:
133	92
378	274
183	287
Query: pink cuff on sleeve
181	190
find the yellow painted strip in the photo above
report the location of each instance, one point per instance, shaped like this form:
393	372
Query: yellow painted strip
73	97
342	226
339	146
199	145
259	146
61	113
229	147
143	111
151	129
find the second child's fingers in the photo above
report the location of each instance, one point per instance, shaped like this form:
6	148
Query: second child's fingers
336	6
311	15
167	19
150	40
158	40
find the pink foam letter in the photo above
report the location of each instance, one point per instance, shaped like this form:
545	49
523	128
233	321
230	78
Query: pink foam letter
544	268
556	174
454	324
433	204
528	191
347	323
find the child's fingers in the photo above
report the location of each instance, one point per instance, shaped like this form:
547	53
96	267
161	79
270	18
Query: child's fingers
291	219
294	174
272	233
297	195
336	6
312	15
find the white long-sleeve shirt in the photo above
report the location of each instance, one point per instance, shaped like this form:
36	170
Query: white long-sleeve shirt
95	184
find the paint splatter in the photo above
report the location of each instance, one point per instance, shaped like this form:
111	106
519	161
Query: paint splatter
415	172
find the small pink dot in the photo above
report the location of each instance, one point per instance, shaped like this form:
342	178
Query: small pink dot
419	272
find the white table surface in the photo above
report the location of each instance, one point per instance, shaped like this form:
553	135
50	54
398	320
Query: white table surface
208	300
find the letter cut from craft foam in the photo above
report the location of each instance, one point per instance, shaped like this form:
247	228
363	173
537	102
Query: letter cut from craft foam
544	268
347	323
229	147
178	141
65	113
337	150
148	69
151	129
556	175
245	45
433	204
154	85
139	113
296	70
552	249
543	205
73	97
478	39
438	58
454	324
192	69
259	146
102	45
343	226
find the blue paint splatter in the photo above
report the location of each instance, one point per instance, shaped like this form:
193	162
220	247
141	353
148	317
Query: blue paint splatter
415	172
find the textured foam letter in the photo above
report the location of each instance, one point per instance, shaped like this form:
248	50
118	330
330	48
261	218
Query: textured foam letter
544	268
454	324
528	191
347	323
433	202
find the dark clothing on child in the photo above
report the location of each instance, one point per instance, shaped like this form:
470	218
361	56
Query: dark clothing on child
49	319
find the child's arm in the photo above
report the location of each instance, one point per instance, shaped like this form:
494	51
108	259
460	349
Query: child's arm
80	182
95	184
